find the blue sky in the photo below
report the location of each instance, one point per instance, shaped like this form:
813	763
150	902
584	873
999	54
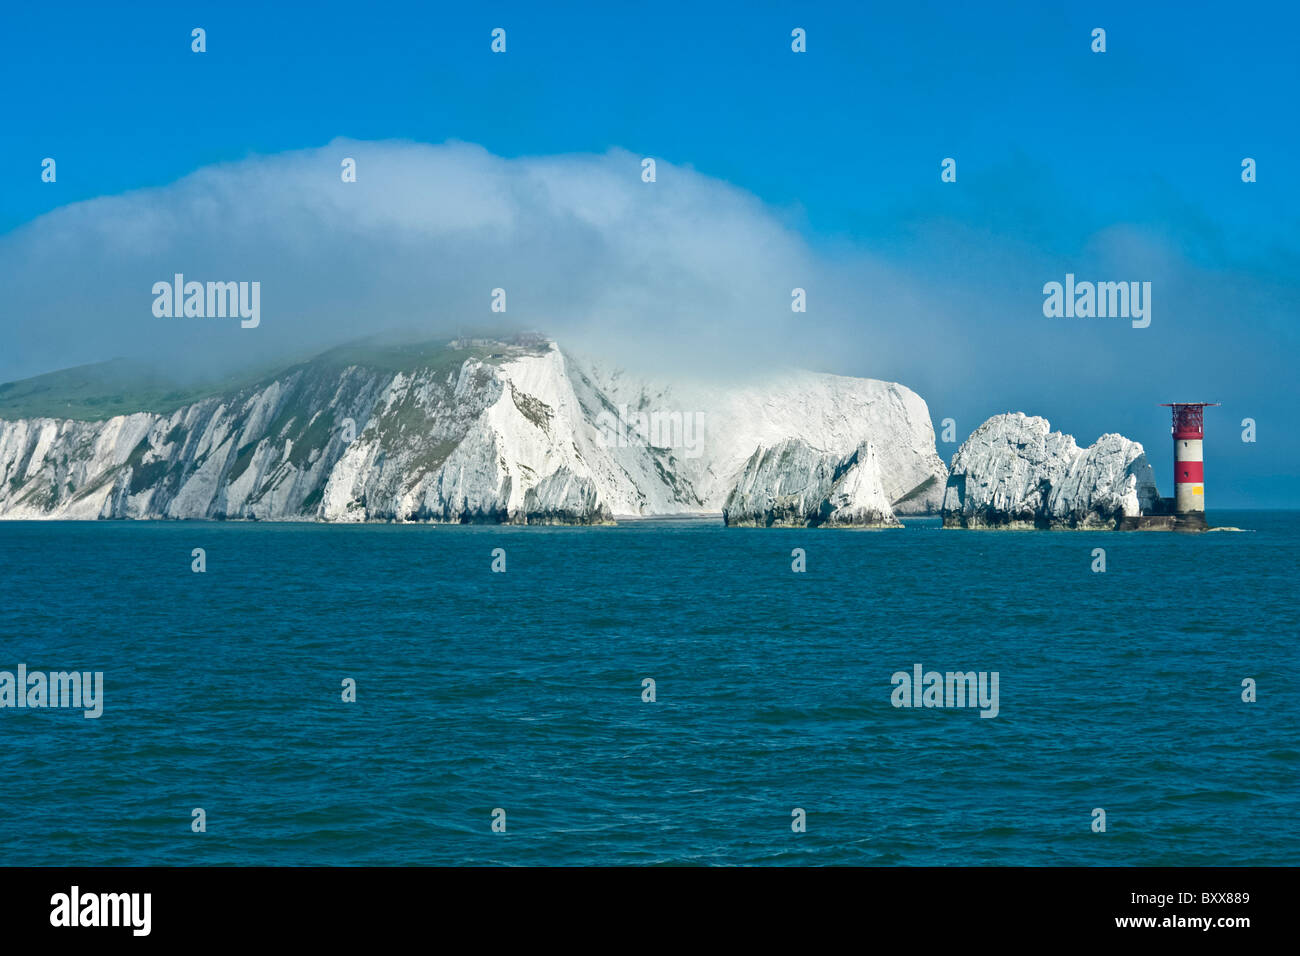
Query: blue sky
844	136
1067	161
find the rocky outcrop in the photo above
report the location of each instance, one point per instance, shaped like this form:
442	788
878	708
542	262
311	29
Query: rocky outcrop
795	485
565	498
1015	472
857	498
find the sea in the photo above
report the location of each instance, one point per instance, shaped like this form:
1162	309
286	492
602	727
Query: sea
660	692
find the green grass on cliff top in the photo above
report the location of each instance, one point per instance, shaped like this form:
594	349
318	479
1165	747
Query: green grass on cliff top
122	386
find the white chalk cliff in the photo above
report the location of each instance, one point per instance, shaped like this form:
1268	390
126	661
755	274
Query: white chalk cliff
793	484
491	432
832	413
1015	472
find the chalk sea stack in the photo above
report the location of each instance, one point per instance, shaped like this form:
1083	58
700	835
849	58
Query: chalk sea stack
1015	472
795	485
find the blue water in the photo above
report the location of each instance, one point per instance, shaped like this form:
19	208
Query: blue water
522	690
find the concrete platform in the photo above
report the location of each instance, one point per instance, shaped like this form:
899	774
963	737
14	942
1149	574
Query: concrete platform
1179	522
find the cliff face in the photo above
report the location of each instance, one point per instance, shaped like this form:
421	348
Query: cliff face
263	453
456	439
1015	472
834	414
492	433
795	485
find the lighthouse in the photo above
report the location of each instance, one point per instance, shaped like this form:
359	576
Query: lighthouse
1189	464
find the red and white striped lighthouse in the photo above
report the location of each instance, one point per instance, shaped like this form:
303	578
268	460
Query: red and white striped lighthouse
1189	462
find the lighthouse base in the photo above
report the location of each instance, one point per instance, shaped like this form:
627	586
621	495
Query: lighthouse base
1192	521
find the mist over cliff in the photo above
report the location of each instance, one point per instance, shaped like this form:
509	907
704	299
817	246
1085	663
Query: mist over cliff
684	271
